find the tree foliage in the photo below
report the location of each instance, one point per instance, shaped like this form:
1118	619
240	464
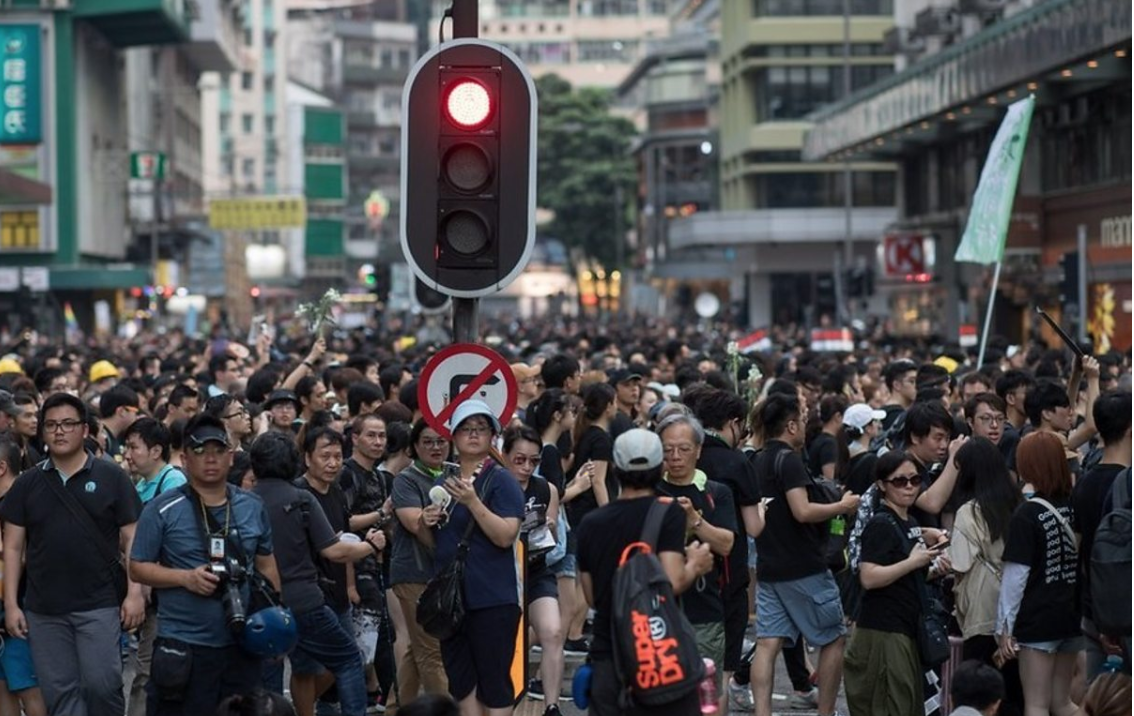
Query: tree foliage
584	161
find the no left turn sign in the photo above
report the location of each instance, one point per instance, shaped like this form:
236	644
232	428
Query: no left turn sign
460	372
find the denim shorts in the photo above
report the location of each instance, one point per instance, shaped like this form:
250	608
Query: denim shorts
305	664
809	606
566	568
1069	645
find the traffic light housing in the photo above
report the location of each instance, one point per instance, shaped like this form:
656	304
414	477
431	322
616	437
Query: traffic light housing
468	168
428	301
1069	283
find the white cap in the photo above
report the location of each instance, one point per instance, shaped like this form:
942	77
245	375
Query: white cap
636	450
470	408
860	415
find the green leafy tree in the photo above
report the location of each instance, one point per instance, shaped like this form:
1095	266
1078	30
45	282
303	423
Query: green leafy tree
586	174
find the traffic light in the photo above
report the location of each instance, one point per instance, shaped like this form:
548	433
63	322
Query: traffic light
428	301
468	168
1069	286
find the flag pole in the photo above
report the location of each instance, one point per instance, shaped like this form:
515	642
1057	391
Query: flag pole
988	315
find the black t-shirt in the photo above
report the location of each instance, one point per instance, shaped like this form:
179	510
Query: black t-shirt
703	603
594	444
929	474
1088	497
897	606
299	529
1036	539
602	536
823	450
1009	439
860	472
334	506
534	528
551	466
66	570
620	424
788	549
733	469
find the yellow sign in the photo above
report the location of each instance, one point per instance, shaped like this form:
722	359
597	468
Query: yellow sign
262	212
19	229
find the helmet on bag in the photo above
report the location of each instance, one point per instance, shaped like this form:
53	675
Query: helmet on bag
270	633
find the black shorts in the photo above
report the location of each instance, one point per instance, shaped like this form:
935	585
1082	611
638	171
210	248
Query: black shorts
543	584
478	657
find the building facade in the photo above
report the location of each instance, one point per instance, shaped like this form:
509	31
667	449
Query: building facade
936	119
786	232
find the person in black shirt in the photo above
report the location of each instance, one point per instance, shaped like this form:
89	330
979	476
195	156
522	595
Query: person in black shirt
883	674
1112	413
710	518
627	388
929	427
861	424
72	605
604	534
797	595
823	449
1012	388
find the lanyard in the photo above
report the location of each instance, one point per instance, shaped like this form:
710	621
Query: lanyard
227	518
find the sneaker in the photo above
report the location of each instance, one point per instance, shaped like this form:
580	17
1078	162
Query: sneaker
535	689
552	710
804	699
537	648
739	697
576	647
375	703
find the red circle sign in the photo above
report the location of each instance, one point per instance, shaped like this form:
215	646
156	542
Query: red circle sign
460	372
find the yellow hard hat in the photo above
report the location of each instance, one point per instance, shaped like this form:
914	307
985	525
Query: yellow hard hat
10	365
103	369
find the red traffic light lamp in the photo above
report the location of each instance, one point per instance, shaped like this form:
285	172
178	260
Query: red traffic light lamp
468	168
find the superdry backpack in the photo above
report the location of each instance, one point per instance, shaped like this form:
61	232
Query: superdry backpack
1110	562
655	649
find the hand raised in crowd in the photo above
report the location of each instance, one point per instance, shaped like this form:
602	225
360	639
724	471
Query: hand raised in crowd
699	557
1091	368
955	445
317	351
200	581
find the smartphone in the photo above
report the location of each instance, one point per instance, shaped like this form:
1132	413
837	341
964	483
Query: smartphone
451	470
765	501
941	546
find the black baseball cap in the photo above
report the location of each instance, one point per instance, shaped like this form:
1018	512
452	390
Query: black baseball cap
280	396
207	434
618	376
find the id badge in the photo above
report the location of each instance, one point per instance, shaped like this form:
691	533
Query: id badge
216	548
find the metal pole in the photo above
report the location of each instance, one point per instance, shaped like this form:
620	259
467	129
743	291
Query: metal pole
846	311
465	18
465	310
988	315
1082	283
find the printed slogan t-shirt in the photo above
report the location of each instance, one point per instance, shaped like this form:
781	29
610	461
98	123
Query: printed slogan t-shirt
1037	540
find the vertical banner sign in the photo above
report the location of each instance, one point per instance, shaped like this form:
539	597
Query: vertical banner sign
20	85
987	228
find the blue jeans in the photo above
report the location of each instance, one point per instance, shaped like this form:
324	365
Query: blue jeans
323	639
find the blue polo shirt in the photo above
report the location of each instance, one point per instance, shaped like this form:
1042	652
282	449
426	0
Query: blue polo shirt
168	478
168	534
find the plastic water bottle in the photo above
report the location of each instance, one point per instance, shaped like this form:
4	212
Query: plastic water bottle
1112	665
707	691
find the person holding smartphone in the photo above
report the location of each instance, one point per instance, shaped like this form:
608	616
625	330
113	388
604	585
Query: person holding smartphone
882	671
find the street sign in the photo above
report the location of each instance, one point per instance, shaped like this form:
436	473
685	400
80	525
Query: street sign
261	212
20	85
35	278
905	254
460	372
147	165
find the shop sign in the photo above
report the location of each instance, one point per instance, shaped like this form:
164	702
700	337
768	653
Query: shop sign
20	95
1114	232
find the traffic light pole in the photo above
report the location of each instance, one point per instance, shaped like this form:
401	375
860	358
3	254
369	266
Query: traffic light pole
466	23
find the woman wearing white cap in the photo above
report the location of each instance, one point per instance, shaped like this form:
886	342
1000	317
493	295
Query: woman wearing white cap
484	492
861	424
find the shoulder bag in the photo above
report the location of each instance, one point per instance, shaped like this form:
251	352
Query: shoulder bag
116	562
441	607
1059	518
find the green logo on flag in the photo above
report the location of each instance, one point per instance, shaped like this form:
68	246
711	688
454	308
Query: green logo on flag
987	229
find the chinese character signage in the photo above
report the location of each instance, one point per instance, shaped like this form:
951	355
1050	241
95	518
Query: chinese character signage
265	212
20	98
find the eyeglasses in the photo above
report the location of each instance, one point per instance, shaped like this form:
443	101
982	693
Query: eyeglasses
473	429
905	481
521	460
208	450
990	419
238	414
61	426
683	450
433	443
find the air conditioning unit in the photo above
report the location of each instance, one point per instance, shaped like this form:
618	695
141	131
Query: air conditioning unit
934	21
982	7
902	41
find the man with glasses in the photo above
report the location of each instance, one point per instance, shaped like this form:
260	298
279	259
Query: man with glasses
73	607
236	418
985	416
183	536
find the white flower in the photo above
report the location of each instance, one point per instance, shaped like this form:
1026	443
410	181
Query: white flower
754	374
733	349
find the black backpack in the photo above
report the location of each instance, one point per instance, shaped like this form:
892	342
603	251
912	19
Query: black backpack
1110	562
655	648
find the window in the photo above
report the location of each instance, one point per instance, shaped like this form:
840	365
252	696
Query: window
821	7
607	50
269	84
246	123
403	58
603	8
225	122
246	80
387	58
269	38
269	125
790	92
1086	140
247	37
823	189
248	167
541	53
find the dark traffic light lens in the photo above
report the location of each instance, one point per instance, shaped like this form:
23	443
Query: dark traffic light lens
466	233
467	168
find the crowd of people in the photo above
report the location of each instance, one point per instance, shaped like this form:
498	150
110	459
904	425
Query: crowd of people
204	516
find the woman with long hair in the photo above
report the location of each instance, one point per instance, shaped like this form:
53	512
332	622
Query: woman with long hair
411	560
1038	611
977	554
883	671
590	483
538	529
488	505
